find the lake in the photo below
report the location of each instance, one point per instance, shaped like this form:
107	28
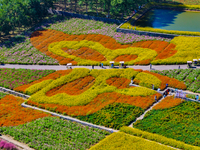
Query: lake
171	20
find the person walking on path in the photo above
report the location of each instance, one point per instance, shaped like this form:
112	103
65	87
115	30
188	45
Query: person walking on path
92	66
101	65
150	66
153	86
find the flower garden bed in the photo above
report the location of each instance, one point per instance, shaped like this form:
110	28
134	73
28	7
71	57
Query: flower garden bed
120	140
55	133
91	49
168	102
12	114
191	77
11	78
19	49
180	122
92	95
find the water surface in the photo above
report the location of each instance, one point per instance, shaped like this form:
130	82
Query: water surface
171	20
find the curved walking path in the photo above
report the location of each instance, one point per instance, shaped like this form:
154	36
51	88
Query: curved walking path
62	67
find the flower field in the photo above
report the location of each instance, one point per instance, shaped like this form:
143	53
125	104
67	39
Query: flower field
168	102
180	122
188	48
29	89
158	138
120	140
93	48
55	133
18	48
12	114
191	77
93	95
11	78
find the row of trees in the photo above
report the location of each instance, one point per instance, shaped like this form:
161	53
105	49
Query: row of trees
22	13
110	6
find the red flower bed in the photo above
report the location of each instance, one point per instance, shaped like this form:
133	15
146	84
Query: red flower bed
164	49
168	102
99	102
120	83
73	88
54	75
13	114
125	58
85	53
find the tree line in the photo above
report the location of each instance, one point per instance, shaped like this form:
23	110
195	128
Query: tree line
114	7
24	13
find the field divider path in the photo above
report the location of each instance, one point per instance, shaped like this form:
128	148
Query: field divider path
63	67
142	116
71	119
5	90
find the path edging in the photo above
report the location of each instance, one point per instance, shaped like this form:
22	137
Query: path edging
71	119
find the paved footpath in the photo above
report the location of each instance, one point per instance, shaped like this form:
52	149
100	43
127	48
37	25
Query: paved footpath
62	67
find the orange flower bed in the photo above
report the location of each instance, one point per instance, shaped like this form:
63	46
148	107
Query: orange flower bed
125	58
13	114
73	88
143	62
168	102
167	52
120	83
163	49
54	76
85	53
42	39
170	81
99	102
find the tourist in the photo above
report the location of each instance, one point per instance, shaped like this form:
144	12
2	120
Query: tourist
156	98
92	66
166	86
150	66
153	86
197	97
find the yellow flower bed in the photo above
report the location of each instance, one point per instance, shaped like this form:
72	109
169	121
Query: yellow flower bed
38	86
142	53
158	138
123	141
100	86
188	49
147	80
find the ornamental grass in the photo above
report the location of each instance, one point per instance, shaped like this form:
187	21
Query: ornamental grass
13	114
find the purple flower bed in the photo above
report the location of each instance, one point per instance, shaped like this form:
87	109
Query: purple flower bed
7	146
12	78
